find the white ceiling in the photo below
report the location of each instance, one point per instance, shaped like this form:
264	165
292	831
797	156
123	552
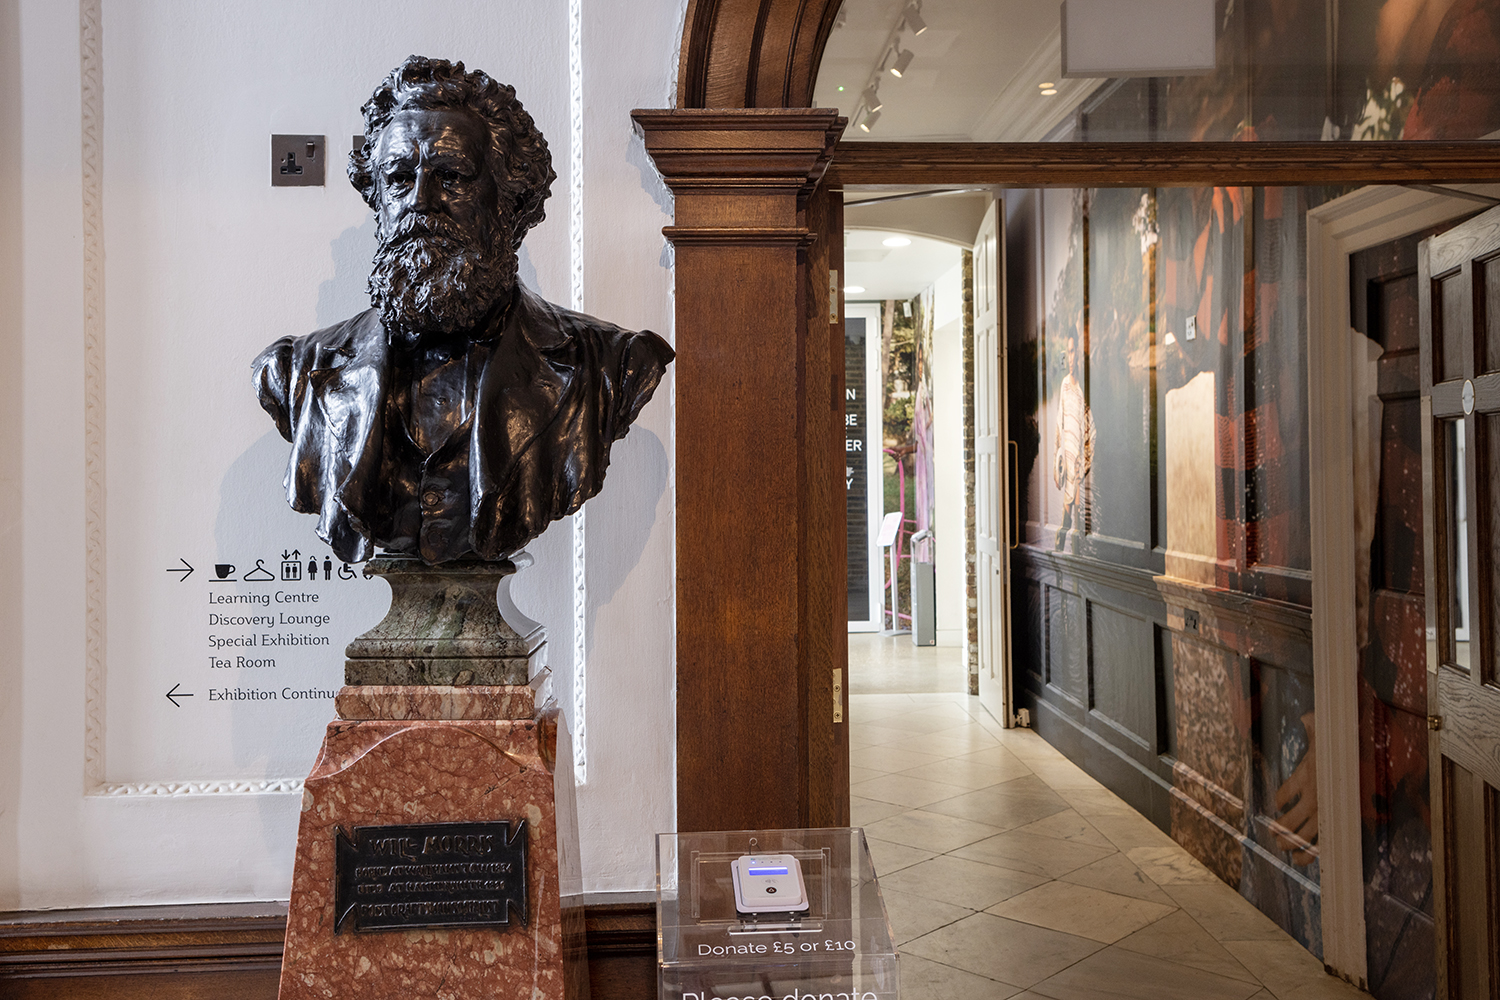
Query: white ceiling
893	272
973	75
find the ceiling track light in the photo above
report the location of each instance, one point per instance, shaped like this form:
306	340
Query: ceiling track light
903	60
869	121
914	19
872	100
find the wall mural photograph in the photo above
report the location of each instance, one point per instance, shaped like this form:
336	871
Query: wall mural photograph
1160	404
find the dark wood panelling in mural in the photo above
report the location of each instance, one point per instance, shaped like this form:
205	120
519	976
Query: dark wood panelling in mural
1165	563
1196	717
1067	647
1165	717
1122	668
1119	338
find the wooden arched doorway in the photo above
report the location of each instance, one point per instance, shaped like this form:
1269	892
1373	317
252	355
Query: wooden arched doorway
761	645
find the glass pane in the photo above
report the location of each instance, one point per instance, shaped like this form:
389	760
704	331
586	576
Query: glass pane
962	71
1451	292
1456	449
1490	270
1490	428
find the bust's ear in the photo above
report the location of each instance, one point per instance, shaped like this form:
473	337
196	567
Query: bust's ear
362	175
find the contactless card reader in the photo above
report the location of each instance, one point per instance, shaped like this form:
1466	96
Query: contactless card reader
768	883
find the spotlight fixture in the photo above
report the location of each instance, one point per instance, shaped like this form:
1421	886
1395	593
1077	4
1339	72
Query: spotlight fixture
914	19
872	100
903	60
896	241
869	121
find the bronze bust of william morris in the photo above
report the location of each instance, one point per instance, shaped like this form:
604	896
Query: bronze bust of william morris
463	413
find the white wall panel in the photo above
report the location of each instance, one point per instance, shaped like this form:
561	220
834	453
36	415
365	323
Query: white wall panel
204	265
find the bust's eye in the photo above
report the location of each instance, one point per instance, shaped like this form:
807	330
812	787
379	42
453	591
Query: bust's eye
399	177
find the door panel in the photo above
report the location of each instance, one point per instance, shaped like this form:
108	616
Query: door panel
1461	469
1395	790
992	551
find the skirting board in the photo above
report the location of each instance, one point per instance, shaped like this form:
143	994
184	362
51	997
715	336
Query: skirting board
233	952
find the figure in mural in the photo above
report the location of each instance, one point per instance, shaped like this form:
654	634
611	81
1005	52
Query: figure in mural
463	413
1074	449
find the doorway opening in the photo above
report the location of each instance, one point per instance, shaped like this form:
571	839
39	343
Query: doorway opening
921	266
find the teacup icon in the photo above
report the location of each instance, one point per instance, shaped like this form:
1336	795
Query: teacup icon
225	570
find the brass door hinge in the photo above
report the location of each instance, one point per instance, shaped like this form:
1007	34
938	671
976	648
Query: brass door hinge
1434	722
838	694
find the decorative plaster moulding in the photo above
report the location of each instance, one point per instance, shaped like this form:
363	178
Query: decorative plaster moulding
91	119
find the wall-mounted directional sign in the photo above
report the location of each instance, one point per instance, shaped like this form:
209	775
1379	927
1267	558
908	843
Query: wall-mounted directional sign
224	661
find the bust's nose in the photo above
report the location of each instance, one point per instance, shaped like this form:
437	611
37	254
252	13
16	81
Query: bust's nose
426	191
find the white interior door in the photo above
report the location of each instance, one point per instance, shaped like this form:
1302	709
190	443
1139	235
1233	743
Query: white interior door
991	528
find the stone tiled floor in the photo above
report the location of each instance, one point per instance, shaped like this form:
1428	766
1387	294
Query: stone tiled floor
1009	872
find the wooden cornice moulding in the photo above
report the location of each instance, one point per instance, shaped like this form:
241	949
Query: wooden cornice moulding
756	236
740	148
1165	164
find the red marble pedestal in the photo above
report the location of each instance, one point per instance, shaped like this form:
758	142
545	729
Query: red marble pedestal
405	769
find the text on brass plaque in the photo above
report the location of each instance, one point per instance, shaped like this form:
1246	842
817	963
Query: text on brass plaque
429	875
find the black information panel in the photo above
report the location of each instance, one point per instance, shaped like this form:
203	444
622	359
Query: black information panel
429	875
856	471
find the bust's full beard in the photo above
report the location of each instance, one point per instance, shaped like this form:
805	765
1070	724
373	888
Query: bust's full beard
433	281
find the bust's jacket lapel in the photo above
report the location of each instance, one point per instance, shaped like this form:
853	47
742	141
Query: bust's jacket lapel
326	392
352	397
564	387
525	385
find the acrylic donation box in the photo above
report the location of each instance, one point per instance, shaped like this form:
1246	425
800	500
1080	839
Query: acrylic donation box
771	915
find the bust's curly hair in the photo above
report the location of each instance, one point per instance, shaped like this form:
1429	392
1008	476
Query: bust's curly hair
520	160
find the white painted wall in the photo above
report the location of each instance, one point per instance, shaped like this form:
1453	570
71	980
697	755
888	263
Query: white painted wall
948	453
629	62
205	265
11	450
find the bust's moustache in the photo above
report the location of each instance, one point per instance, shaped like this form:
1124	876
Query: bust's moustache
432	230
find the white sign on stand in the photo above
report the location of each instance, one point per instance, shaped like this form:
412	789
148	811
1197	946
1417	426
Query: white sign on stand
890	533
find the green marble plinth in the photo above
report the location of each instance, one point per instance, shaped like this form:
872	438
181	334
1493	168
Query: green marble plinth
450	624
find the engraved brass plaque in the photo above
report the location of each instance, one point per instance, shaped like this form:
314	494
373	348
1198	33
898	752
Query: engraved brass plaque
429	875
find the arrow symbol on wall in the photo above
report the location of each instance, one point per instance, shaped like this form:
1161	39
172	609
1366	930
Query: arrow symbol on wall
174	694
184	569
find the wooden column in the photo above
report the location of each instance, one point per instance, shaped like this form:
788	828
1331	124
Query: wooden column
760	515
